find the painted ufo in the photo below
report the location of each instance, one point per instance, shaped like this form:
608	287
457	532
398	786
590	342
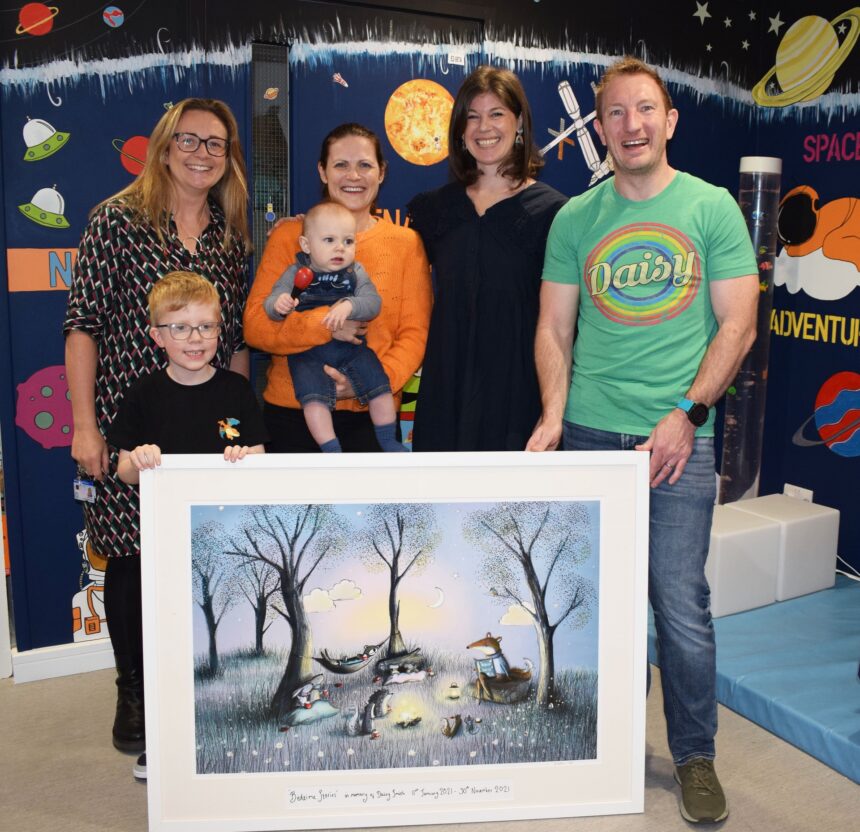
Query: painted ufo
42	139
46	208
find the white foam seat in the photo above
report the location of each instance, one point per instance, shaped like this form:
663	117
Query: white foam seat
807	546
742	561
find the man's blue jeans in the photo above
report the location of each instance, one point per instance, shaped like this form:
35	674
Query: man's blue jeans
679	537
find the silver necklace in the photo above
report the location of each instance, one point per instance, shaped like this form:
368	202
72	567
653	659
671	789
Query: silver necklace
184	238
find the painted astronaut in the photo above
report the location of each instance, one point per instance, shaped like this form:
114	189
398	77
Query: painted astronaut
88	606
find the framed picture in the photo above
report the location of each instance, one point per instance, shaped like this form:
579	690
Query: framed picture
375	640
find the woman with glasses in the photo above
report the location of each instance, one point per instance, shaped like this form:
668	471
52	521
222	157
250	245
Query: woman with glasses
186	211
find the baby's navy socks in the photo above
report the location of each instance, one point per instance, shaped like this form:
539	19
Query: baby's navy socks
385	435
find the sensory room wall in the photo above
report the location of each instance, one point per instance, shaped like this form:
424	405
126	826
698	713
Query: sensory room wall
83	85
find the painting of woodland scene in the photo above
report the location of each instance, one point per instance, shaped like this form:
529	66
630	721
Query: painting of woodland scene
394	635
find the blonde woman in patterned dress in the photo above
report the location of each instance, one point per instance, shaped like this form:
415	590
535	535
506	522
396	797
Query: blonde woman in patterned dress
187	211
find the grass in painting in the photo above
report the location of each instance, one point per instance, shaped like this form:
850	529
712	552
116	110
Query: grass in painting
235	732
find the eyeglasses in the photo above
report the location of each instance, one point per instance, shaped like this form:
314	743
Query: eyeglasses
182	332
189	142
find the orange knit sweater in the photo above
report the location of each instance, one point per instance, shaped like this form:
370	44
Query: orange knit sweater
395	260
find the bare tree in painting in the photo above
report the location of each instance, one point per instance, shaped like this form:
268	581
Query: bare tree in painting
211	572
399	538
532	551
258	582
293	540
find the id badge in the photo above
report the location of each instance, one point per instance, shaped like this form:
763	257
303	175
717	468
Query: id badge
84	490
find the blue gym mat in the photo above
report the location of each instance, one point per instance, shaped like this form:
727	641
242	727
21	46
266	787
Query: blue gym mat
791	667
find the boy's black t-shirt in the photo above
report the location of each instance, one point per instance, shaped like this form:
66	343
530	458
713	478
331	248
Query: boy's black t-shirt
188	419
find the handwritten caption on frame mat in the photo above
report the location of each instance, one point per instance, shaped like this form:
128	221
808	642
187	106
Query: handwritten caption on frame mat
435	794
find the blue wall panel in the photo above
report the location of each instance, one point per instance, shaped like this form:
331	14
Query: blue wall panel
120	81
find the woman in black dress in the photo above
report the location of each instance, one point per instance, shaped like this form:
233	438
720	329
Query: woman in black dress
485	235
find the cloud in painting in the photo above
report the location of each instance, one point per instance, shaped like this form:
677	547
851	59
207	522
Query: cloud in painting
344	591
318	601
518	615
323	600
815	275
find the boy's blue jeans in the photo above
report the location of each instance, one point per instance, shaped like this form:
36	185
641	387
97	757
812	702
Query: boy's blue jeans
679	538
356	361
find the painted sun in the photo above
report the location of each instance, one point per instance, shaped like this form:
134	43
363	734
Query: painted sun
416	121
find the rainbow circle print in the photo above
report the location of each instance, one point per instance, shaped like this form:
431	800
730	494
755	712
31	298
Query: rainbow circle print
643	274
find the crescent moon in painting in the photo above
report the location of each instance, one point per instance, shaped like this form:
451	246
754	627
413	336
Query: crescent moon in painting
439	601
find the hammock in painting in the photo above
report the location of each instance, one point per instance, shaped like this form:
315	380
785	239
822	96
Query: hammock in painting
351	664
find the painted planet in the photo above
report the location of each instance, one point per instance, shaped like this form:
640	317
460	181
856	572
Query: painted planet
836	416
132	153
36	19
807	59
113	16
44	408
416	121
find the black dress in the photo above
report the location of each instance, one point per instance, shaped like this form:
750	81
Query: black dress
479	389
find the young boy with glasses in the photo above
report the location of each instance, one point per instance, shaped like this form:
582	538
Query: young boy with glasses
190	407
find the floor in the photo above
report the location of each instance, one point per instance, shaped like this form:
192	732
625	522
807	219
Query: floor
58	771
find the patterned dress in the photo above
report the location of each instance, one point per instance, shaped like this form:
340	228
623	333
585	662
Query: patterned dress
119	260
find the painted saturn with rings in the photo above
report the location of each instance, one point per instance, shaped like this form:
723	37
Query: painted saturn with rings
807	59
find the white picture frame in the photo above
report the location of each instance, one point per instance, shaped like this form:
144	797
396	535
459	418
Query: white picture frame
611	782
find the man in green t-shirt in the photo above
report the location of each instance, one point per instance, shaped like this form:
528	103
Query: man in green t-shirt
655	274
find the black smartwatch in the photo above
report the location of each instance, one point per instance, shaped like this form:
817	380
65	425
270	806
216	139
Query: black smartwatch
696	412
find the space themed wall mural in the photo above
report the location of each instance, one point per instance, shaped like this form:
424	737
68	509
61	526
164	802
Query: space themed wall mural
83	83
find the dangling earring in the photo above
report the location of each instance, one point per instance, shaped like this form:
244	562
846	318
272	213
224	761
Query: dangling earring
518	141
462	142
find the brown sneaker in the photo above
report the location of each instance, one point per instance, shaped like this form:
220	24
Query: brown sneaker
702	796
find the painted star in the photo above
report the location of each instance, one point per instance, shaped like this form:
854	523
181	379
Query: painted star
708	47
842	28
775	24
752	15
701	12
727	22
745	45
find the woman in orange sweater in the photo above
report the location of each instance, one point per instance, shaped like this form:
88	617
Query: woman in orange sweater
352	168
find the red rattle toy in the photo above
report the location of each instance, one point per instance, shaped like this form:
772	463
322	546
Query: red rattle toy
301	281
